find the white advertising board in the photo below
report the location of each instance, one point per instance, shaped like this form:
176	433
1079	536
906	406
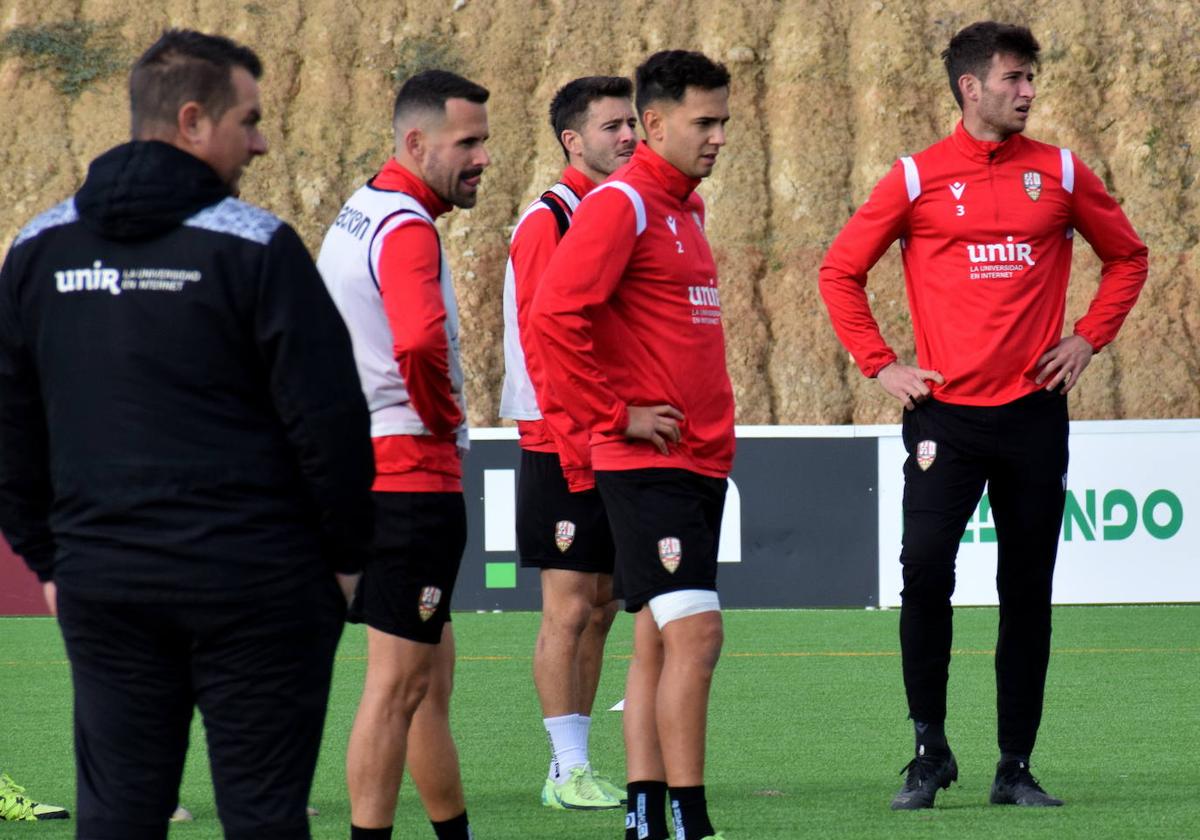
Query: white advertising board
1131	530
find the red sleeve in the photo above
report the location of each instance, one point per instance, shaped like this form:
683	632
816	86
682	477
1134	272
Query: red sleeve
1103	224
534	243
409	282
843	278
584	272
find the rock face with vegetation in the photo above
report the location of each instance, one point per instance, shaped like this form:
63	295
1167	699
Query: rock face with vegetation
825	96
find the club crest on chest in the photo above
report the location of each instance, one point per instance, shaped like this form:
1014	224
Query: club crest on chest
1033	185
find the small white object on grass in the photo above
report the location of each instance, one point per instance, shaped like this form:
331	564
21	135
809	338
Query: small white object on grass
182	815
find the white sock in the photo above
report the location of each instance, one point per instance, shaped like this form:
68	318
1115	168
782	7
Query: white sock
586	722
568	744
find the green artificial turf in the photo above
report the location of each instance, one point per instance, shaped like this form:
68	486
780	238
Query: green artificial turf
807	730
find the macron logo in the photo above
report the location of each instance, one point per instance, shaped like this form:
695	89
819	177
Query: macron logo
957	188
94	279
671	224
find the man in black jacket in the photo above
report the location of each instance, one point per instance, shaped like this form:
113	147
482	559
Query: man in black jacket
185	457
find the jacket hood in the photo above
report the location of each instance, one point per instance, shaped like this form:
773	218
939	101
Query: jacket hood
143	189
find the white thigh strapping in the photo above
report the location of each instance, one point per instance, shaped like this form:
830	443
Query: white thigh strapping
682	603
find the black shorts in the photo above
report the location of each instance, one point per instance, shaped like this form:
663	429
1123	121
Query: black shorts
667	527
558	529
408	581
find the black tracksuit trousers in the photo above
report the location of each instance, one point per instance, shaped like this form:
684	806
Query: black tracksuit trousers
259	671
1019	451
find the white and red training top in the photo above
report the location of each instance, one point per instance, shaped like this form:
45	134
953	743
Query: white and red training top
384	266
628	313
542	421
986	231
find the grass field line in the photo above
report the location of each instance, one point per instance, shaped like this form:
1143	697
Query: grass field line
782	654
834	654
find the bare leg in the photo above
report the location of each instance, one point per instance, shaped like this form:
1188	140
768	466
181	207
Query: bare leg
432	756
567	599
691	647
643	754
591	642
398	677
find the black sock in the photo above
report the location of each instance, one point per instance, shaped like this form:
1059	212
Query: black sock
930	738
646	813
456	828
357	833
1008	759
690	811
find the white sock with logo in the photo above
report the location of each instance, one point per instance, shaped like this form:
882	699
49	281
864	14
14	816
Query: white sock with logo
568	744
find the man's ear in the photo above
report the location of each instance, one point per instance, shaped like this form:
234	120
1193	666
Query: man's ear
572	140
191	121
652	124
970	87
414	143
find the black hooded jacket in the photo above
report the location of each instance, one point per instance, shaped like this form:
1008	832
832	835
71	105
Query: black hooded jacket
180	415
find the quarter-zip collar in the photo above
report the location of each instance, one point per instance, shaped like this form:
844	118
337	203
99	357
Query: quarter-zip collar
984	151
676	184
395	177
577	182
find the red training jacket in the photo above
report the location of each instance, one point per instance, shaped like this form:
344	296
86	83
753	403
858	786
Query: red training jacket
533	244
986	231
628	313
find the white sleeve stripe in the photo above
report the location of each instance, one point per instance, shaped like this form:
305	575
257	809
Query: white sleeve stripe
1068	170
639	207
529	211
912	178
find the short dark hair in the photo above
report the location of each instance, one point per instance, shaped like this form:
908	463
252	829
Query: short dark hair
429	90
668	75
971	50
183	66
569	107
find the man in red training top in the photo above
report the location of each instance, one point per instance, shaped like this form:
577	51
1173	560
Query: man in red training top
383	262
562	528
986	220
628	316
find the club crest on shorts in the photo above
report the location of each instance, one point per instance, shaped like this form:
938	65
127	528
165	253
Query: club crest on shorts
564	535
926	453
1033	185
431	596
670	553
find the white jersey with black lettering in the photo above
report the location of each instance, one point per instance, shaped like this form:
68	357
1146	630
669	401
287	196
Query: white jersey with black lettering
349	264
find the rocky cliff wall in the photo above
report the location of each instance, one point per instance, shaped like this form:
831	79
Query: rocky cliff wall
825	96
